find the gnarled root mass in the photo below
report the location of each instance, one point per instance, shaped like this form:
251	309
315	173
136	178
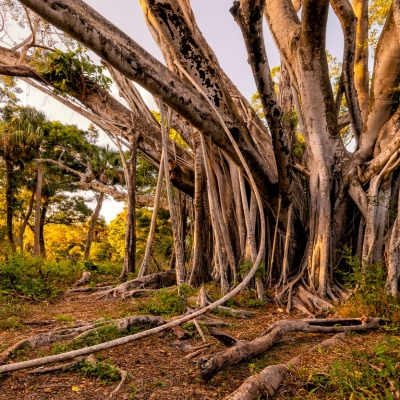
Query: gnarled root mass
268	381
209	366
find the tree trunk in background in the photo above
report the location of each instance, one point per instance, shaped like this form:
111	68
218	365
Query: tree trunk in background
39	185
93	222
45	205
10	200
25	221
130	235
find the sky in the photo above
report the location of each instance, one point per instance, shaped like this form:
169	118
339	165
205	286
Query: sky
219	29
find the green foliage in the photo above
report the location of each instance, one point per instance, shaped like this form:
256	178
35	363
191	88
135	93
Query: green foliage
291	117
89	265
103	334
371	297
173	134
11	313
246	266
104	371
163	303
71	71
298	148
35	279
362	375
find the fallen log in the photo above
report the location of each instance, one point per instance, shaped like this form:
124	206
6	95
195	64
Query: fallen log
209	366
268	381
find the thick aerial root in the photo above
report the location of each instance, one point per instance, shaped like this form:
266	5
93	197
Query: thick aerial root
311	301
78	331
154	281
268	381
209	366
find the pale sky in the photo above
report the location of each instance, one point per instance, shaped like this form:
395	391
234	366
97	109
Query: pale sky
219	29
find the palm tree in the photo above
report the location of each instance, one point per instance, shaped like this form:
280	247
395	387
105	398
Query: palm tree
20	137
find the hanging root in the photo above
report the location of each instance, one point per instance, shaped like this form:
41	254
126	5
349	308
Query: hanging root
154	281
209	366
268	381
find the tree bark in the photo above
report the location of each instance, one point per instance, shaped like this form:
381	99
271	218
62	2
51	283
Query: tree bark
93	221
39	185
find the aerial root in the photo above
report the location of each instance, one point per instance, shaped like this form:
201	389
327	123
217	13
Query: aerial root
268	381
312	302
241	350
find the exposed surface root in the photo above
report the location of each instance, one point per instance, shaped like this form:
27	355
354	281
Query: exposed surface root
85	279
154	281
77	331
209	366
268	381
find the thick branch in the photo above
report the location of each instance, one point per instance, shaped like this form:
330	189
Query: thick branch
248	15
244	350
87	26
348	22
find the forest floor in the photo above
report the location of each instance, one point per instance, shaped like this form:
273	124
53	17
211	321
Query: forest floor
157	366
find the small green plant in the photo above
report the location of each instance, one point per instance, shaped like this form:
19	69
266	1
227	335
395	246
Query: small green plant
255	303
102	370
298	148
89	265
159	383
65	318
71	71
163	302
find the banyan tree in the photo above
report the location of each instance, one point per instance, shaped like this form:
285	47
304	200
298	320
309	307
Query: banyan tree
255	203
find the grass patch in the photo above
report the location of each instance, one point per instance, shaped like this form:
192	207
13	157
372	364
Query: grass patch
354	374
164	303
12	313
102	370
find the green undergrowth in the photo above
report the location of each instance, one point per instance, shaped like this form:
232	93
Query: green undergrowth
368	373
370	295
12	313
35	279
164	303
103	334
104	371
